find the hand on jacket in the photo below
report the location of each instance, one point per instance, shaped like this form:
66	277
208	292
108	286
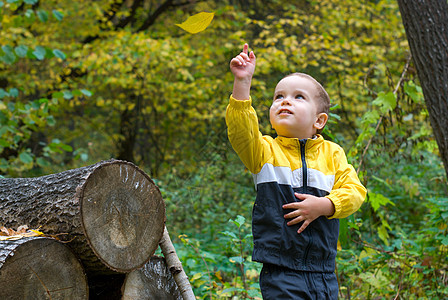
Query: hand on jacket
308	210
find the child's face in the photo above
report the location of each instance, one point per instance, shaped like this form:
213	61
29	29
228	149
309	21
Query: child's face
294	111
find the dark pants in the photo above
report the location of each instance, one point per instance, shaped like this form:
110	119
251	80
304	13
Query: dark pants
279	283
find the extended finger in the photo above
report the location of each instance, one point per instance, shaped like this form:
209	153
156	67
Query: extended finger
296	221
292	205
300	196
245	48
292	214
304	225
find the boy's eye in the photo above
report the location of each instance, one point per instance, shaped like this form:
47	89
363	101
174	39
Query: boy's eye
279	96
299	97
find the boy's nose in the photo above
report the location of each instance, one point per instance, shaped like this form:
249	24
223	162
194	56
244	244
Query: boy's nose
285	101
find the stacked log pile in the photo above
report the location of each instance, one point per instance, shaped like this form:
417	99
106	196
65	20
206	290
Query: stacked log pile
39	268
153	281
109	219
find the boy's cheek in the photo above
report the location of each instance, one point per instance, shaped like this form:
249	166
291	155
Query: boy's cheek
271	116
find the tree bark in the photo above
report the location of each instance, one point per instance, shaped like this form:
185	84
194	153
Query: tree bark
426	25
112	213
153	281
40	268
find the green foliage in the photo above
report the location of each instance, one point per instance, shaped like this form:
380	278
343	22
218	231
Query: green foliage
24	112
83	81
28	104
225	273
409	263
238	244
412	266
215	252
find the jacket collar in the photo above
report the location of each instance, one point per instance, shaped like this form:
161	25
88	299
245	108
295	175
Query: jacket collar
311	143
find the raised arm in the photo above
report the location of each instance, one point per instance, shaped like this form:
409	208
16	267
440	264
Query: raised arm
242	67
241	118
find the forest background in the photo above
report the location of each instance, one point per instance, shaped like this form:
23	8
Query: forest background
83	81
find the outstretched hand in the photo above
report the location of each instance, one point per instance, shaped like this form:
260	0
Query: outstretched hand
308	210
243	65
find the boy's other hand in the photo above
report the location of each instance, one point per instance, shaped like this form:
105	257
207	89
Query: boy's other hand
308	210
243	65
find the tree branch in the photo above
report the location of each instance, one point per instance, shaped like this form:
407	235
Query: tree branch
153	17
110	14
175	266
403	74
131	16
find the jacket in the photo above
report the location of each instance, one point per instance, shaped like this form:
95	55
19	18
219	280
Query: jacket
280	167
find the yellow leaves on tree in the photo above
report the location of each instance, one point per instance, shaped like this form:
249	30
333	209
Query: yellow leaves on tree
197	22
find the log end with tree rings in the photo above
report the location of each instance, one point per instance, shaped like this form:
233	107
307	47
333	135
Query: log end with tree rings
122	215
40	268
152	281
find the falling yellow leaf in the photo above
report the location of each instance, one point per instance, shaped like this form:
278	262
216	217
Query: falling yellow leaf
197	22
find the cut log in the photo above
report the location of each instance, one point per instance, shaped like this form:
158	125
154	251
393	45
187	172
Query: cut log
153	281
112	212
40	268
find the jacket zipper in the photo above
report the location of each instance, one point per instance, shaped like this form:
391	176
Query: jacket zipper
305	191
304	166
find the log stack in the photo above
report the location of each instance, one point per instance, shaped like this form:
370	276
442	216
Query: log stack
39	268
153	281
110	215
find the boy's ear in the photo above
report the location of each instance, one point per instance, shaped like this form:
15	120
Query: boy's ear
321	120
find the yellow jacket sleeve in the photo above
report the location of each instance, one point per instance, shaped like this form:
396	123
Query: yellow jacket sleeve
348	193
244	134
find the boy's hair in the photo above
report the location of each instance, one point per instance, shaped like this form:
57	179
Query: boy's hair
323	98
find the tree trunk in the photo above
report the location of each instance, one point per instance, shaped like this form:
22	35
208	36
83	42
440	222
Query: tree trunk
129	126
426	25
40	268
153	281
112	212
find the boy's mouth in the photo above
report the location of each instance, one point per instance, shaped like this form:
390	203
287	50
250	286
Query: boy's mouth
284	111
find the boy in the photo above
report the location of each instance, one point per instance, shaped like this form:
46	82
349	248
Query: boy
304	184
